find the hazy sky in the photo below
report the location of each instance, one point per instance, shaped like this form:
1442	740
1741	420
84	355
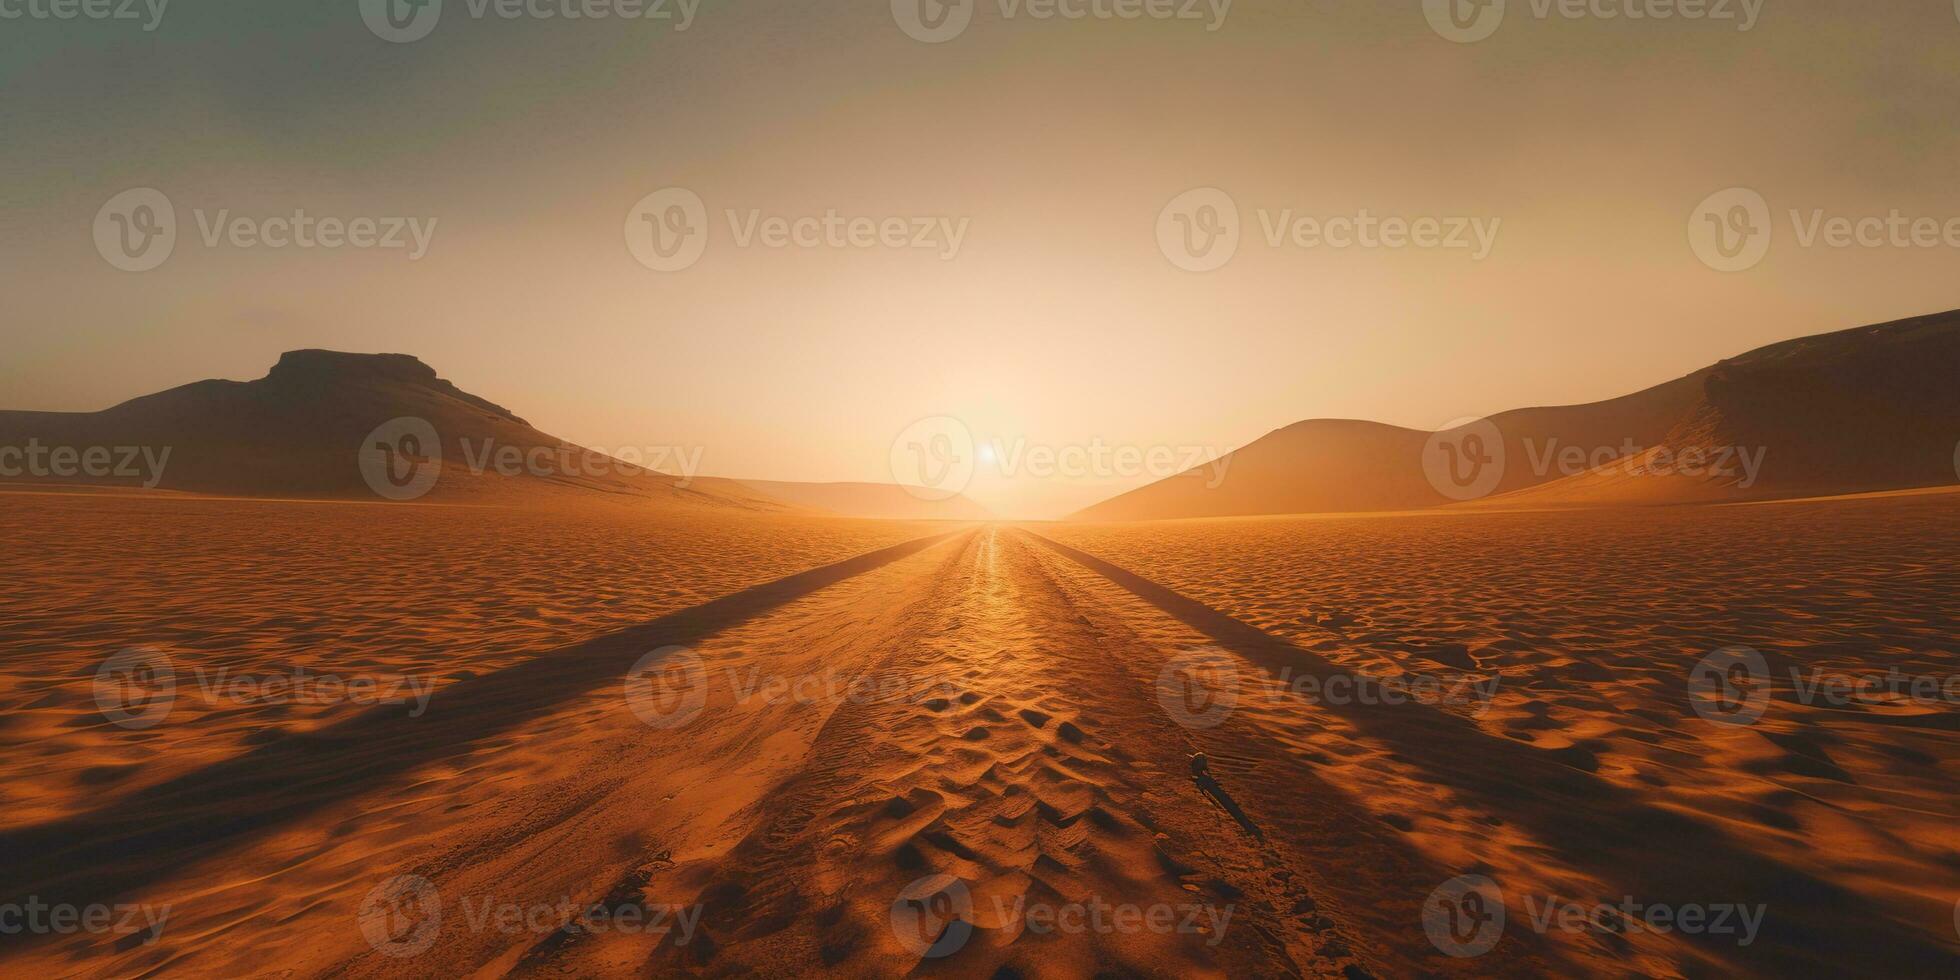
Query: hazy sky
1055	144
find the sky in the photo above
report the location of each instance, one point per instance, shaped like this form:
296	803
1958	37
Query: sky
1068	291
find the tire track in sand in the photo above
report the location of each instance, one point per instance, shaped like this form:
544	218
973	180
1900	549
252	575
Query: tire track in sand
1017	771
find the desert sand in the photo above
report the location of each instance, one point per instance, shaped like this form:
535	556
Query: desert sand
970	716
875	500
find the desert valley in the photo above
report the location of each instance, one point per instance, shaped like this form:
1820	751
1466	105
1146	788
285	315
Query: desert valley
1383	703
1063	489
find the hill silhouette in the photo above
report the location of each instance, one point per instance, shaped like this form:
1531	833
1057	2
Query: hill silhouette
1870	408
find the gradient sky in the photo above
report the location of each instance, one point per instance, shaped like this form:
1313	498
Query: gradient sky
1060	322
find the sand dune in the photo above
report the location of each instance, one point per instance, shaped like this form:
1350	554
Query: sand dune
1864	409
300	432
883	501
1874	408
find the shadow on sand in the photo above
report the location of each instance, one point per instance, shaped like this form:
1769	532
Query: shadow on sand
1657	855
96	856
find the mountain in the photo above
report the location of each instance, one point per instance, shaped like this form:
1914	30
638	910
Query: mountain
876	500
313	428
1870	408
1867	409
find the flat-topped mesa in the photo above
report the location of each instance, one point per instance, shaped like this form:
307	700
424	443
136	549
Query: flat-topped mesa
327	368
329	364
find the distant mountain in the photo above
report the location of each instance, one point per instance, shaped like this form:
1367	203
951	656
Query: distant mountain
1866	409
318	426
1872	408
877	500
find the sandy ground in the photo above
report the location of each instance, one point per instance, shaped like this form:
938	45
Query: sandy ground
792	746
239	588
